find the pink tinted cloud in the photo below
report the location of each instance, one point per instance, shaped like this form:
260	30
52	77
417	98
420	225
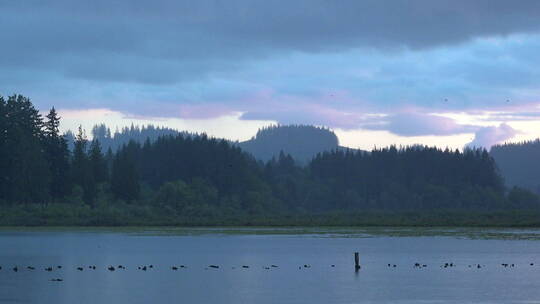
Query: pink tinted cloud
328	108
489	136
418	124
316	115
204	111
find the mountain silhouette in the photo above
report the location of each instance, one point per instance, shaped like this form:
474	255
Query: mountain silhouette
302	142
519	163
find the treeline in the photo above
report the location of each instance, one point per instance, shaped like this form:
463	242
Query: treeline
416	177
115	140
190	180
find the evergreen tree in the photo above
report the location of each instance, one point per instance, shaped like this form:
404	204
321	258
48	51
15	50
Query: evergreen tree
109	158
124	175
57	156
81	171
98	163
4	153
25	171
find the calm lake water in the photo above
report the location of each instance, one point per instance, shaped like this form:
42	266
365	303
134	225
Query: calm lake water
291	282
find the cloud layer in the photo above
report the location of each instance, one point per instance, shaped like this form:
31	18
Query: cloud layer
333	63
416	124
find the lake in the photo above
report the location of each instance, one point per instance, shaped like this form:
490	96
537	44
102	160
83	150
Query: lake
259	248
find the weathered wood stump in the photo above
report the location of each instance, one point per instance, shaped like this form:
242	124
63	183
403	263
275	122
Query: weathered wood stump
356	261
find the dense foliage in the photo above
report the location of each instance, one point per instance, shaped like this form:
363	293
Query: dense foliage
189	180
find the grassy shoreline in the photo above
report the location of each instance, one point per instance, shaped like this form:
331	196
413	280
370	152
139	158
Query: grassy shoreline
62	215
471	233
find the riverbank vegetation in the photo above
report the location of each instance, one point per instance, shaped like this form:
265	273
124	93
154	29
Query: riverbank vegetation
180	179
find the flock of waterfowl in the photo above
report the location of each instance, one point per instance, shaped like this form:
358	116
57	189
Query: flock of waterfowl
178	267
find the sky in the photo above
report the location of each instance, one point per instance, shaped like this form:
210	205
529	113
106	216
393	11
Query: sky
450	73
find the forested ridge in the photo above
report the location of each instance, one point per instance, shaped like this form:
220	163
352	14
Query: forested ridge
176	179
302	142
519	163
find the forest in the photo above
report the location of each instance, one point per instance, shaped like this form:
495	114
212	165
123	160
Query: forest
192	179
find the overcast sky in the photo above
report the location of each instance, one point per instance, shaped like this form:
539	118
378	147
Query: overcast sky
446	73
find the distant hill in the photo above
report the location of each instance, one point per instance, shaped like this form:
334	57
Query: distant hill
519	163
302	142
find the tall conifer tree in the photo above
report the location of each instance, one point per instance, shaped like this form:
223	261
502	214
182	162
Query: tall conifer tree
57	156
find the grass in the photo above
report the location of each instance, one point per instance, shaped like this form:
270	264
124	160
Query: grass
497	233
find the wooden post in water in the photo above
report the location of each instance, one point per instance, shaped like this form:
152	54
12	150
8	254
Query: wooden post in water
356	261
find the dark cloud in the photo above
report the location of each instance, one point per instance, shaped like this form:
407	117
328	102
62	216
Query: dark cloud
133	40
324	62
